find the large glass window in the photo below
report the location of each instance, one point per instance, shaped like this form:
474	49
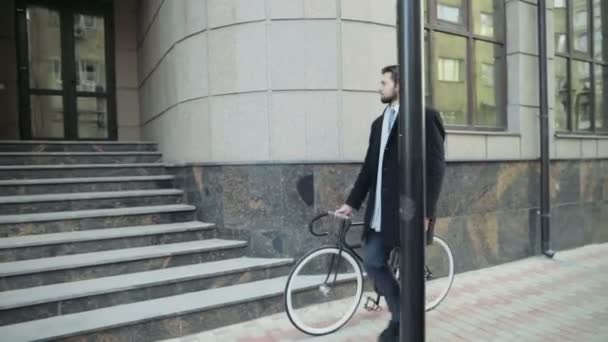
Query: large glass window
579	66
466	62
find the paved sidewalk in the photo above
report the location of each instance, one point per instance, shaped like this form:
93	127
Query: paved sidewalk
565	299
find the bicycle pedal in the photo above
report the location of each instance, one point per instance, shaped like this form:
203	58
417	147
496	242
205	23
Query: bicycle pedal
372	305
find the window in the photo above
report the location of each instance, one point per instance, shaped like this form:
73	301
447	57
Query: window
580	67
581	92
450	70
465	54
487	74
560	14
560	42
582	42
581	26
87	75
89	21
56	63
449	13
487	24
84	21
53	19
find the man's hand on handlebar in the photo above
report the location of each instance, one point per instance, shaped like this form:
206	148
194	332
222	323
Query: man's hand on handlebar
345	211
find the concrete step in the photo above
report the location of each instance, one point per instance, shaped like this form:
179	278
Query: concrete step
25	204
63	221
162	318
75	146
50	158
38	272
68	298
87	184
96	240
80	170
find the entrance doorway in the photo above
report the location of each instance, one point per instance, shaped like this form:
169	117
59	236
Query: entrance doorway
66	70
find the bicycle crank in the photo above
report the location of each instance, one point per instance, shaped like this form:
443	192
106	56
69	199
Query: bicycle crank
372	304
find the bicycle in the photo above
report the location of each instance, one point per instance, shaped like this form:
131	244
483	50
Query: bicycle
315	278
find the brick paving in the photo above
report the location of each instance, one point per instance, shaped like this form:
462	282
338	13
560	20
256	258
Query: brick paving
564	299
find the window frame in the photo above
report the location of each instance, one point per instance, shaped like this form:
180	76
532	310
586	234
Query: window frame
433	25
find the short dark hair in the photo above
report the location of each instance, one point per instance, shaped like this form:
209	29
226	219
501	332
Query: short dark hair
393	70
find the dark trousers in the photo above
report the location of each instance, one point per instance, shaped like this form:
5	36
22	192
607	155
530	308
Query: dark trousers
375	260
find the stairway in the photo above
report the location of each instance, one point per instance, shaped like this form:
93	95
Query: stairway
97	245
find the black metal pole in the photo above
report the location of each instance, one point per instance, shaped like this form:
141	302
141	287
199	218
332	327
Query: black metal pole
411	164
545	204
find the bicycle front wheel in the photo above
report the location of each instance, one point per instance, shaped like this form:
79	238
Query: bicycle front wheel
323	291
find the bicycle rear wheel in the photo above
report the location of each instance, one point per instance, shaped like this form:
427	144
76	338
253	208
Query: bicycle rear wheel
439	273
323	291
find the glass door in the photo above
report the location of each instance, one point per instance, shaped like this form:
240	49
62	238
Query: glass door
90	76
65	71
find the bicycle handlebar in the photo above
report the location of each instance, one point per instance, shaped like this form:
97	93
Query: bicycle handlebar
322	215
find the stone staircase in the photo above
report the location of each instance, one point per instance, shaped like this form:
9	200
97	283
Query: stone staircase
96	245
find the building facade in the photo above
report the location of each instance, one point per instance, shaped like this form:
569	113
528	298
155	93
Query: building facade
263	107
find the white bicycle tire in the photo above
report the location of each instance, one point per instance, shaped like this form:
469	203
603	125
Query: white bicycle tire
450	277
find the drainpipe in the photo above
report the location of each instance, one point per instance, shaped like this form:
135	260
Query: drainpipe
545	200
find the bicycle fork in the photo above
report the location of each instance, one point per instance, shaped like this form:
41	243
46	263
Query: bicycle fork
325	288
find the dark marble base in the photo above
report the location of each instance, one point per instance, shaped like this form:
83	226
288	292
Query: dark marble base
571	226
488	211
482	240
12	190
65	307
78	159
575	225
91	272
81	172
266	203
46	251
88	204
76	147
19	229
599	222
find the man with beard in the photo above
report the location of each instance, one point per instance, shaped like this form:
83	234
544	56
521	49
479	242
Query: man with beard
379	176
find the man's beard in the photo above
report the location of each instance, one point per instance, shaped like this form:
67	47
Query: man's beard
388	99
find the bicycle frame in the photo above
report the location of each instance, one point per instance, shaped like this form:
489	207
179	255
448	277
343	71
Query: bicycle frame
342	245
